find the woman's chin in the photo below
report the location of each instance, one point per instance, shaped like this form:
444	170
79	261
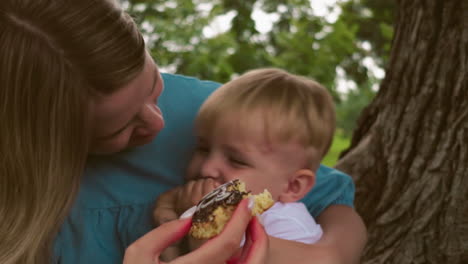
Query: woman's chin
142	141
106	151
112	149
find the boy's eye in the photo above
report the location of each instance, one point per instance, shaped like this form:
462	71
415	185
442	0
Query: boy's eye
238	162
202	149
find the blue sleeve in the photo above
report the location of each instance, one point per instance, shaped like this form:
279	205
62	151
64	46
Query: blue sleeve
331	187
101	235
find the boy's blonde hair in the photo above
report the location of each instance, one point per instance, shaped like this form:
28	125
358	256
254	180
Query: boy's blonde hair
287	108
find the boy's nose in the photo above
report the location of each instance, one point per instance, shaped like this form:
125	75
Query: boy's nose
211	169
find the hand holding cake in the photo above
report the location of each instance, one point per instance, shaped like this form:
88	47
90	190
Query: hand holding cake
221	249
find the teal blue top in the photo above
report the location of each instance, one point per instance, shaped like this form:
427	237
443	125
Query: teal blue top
117	194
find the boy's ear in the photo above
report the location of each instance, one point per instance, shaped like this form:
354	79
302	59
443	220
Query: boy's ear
299	184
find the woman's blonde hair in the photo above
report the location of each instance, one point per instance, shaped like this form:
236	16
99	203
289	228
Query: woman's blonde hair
54	56
285	107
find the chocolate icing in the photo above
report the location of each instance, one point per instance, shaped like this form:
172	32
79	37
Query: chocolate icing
220	196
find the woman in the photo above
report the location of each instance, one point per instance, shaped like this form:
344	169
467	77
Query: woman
76	80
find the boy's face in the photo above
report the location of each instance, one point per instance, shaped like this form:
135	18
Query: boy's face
228	155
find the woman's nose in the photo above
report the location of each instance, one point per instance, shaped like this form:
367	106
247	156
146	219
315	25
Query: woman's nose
151	120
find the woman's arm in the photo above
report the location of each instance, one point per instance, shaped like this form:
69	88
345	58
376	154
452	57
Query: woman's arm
344	230
343	240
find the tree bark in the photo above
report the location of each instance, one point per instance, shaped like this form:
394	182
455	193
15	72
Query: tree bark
409	154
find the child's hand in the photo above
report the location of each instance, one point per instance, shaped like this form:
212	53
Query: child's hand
171	204
164	209
192	192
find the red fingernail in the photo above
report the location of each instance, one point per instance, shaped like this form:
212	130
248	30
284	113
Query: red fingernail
185	228
233	260
255	228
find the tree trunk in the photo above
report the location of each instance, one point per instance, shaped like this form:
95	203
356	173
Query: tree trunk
409	154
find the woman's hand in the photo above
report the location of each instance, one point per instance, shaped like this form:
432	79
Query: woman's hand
220	249
255	249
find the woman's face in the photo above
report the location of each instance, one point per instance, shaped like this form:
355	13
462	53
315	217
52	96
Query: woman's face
129	117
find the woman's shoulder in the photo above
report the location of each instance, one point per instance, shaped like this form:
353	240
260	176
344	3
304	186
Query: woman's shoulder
188	82
332	187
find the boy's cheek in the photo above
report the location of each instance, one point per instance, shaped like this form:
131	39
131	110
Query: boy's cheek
193	169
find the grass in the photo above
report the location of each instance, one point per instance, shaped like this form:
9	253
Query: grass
339	144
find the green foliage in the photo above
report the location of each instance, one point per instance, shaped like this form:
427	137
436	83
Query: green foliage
348	110
340	143
299	42
374	19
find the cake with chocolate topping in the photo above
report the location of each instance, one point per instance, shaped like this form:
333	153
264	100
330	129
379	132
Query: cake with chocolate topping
216	208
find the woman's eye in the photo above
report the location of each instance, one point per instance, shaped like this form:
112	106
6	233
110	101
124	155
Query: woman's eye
108	138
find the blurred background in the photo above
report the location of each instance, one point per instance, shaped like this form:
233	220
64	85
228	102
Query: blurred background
342	44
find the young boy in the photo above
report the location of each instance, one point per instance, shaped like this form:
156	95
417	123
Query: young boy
270	129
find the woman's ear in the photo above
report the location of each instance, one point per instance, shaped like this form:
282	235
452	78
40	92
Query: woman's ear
299	184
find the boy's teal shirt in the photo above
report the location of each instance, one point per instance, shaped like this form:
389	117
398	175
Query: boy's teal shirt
117	194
